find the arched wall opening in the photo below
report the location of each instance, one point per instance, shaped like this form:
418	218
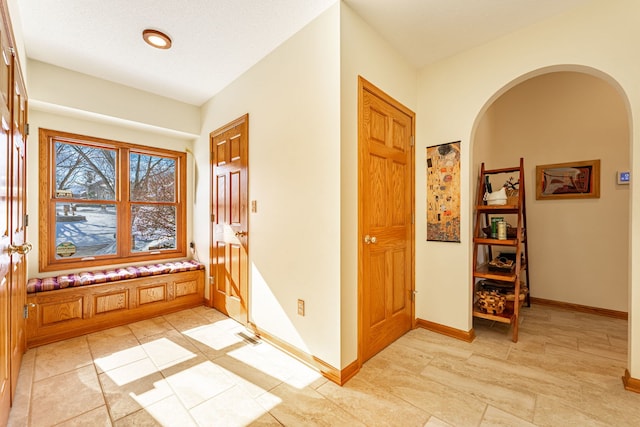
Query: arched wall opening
578	249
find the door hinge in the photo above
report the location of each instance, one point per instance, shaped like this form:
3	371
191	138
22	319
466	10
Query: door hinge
212	280
213	217
26	129
26	220
25	311
413	140
413	295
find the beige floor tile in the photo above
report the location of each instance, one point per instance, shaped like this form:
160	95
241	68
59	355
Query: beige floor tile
501	394
186	320
98	417
65	396
134	371
602	348
619	343
373	405
407	352
215	340
121	355
125	399
571	365
494	417
446	403
233	407
552	413
64	356
197	382
169	348
305	407
435	422
438	345
19	415
114	347
611	402
165	413
141	418
254	381
533	378
277	364
150	327
210	314
266	420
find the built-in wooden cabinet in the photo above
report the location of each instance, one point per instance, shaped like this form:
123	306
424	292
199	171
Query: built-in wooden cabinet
13	218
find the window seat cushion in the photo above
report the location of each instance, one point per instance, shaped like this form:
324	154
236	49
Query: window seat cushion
103	276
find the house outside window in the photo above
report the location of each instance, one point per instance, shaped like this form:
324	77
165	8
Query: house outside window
108	202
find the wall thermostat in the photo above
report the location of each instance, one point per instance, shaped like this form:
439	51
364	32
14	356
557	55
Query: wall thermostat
624	177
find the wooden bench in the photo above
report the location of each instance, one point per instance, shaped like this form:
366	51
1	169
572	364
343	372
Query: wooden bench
79	309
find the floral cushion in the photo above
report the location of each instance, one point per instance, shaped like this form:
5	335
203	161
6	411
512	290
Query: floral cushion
103	276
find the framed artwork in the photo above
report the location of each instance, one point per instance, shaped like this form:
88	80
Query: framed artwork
443	192
573	180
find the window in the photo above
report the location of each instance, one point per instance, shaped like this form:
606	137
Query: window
107	202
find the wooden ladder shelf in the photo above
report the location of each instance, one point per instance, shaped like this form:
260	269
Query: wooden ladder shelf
508	274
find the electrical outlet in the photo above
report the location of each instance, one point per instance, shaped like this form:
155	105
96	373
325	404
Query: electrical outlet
301	307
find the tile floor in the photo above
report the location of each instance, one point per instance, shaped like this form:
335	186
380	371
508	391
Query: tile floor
195	368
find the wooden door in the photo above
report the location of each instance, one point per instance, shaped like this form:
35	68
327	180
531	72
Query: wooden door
385	211
18	282
5	233
230	242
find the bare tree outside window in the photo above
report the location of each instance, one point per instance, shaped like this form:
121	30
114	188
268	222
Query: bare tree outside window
152	179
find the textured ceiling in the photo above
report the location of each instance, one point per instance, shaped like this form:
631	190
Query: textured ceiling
215	41
424	31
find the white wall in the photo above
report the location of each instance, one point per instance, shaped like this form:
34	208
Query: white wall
292	97
365	53
50	86
454	93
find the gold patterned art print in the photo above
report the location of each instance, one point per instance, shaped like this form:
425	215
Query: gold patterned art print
443	192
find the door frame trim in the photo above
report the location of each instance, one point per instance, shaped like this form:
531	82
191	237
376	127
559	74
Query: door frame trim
365	85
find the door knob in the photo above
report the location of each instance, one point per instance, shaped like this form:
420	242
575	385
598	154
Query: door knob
22	249
370	239
241	233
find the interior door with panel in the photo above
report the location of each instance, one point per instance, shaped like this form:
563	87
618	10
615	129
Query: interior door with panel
5	231
20	246
230	241
386	229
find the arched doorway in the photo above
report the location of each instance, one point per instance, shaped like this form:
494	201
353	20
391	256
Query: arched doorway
579	249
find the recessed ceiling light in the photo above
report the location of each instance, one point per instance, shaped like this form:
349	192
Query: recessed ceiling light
156	39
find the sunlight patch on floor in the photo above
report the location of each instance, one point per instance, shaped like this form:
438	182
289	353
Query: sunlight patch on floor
165	353
276	364
216	335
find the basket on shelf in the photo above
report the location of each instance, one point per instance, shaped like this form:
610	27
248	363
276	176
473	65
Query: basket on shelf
512	196
491	302
505	289
502	264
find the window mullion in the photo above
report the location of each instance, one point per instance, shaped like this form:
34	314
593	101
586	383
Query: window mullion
124	205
